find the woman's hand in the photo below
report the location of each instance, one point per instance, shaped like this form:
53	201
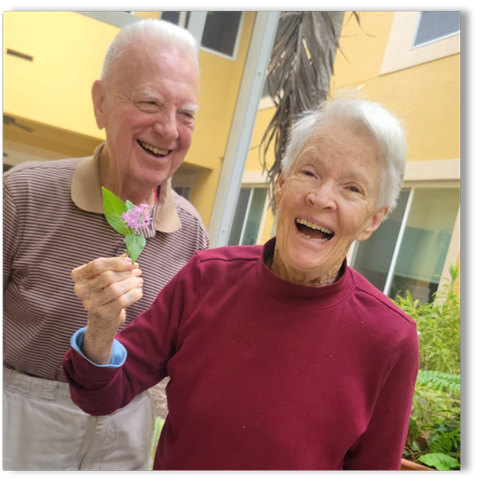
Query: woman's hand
106	286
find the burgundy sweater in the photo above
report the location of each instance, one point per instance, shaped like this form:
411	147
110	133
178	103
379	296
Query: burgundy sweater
265	374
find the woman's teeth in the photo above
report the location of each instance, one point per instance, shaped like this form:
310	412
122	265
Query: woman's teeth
313	231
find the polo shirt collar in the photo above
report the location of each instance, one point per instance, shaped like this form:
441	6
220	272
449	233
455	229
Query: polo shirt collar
87	194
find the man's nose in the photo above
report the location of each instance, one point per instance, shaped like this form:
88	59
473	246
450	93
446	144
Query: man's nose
323	196
166	126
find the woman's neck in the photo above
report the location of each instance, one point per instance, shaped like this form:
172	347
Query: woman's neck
280	269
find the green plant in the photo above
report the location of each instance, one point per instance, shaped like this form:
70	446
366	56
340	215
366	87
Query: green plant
438	325
434	429
159	422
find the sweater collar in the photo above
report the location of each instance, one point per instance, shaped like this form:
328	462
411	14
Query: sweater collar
87	194
312	297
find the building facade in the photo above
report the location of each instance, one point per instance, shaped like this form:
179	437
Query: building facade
407	61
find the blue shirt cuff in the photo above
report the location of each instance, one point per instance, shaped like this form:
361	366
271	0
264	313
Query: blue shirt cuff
119	352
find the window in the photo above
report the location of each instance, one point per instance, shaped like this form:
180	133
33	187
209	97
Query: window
248	216
402	53
220	33
434	26
409	250
175	17
183	191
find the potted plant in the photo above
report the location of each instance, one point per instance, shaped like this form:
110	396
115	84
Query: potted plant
434	431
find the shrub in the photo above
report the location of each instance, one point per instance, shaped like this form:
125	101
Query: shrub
434	429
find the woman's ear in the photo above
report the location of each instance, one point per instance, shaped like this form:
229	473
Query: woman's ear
373	224
278	188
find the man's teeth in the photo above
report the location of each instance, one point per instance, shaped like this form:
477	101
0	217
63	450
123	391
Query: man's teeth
314	226
153	149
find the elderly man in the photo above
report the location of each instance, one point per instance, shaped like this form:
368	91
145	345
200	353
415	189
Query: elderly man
53	221
280	357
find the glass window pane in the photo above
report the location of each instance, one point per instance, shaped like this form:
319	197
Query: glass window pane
183	191
239	217
254	217
435	26
171	17
220	32
373	256
425	242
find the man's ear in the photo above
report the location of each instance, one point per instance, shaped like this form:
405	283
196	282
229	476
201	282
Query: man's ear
373	224
98	103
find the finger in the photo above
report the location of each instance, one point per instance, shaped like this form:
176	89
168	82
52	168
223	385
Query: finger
100	265
125	300
87	289
94	300
107	278
109	317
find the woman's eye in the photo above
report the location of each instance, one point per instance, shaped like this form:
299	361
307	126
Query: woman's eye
308	173
354	189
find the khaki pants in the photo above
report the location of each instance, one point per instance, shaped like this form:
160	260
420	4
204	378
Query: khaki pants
44	430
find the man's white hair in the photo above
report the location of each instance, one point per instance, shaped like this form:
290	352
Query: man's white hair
157	31
351	110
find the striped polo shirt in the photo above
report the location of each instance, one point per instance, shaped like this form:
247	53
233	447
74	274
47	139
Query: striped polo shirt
53	222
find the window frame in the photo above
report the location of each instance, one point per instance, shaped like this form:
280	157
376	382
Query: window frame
438	39
263	218
453	250
399	53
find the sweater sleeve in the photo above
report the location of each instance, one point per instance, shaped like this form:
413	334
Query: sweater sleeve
150	341
381	446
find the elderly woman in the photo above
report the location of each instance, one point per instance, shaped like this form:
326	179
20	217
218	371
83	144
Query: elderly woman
280	356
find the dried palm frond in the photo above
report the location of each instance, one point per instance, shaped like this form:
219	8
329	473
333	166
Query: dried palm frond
298	76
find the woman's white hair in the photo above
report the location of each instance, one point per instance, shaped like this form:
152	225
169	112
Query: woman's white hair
351	110
158	31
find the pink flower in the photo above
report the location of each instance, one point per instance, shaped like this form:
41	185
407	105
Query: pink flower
134	219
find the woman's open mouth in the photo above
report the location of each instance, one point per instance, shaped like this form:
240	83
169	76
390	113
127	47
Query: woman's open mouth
317	233
152	149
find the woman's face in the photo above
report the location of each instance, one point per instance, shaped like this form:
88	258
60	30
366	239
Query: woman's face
326	202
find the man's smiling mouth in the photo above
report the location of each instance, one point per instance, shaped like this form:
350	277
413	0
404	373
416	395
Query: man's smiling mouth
152	149
313	231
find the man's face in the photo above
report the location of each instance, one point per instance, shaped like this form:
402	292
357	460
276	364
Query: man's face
147	106
327	201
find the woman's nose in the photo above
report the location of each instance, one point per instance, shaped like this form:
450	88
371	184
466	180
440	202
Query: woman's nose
322	197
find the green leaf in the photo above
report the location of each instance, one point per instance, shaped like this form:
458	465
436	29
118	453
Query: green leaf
440	461
129	205
113	208
135	244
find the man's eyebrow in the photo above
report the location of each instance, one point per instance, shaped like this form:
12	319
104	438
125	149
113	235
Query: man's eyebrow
190	108
150	94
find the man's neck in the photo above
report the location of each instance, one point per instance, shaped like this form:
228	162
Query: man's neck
123	186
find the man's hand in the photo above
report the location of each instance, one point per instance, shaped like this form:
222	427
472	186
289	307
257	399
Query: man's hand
106	287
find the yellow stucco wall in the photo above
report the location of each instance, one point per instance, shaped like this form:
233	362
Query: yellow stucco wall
425	96
52	92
